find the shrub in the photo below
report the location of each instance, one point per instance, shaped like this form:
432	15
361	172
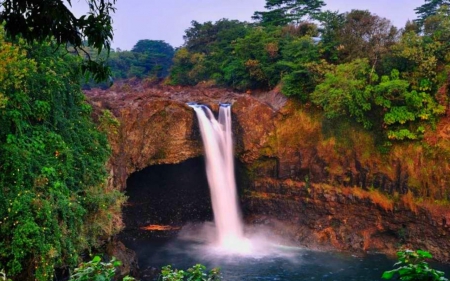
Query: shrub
195	273
412	267
96	270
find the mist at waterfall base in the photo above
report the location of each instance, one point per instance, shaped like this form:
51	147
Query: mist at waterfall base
226	236
218	146
242	252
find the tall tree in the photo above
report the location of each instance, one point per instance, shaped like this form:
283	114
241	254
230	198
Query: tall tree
54	200
204	37
282	12
365	35
428	9
154	56
410	26
40	20
330	25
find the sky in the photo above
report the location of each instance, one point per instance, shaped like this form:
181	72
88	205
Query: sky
168	19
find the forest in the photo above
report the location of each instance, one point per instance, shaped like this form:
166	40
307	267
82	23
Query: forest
55	203
354	64
390	80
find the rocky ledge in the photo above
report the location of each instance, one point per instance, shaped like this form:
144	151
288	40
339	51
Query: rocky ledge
321	178
344	218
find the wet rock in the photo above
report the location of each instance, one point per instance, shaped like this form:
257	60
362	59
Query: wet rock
350	223
127	257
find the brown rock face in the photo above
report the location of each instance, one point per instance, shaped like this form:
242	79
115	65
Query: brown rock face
326	181
323	216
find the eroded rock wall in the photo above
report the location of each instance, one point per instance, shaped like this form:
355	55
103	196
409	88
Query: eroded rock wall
290	153
328	217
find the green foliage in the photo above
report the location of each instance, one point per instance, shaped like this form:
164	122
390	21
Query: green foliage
55	202
282	12
345	92
412	266
299	80
211	37
148	58
429	8
108	123
257	54
331	24
401	106
360	67
353	90
242	58
209	54
364	35
188	68
96	270
195	273
25	18
154	57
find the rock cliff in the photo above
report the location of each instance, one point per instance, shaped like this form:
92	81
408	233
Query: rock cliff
329	182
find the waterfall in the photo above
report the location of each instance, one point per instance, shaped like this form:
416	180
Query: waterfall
218	145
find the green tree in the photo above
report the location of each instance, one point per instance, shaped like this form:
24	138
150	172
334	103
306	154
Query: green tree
210	37
344	92
405	112
36	20
298	79
428	9
410	26
154	56
365	35
258	53
188	68
331	24
209	53
54	199
148	58
282	12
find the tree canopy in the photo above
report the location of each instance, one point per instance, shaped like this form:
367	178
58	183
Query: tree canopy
282	12
38	21
360	66
429	8
55	202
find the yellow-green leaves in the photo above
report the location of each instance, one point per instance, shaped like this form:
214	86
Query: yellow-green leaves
54	201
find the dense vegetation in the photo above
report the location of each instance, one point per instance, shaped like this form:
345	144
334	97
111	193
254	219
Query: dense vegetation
148	59
413	266
40	21
353	64
55	202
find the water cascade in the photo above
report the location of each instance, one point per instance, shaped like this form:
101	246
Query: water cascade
218	145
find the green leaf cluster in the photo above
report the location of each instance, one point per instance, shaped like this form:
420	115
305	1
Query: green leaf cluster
40	21
96	270
54	199
147	59
241	55
195	273
412	266
283	12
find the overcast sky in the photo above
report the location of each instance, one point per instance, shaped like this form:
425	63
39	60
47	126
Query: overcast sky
168	19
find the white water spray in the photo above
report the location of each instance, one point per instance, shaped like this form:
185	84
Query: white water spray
218	144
